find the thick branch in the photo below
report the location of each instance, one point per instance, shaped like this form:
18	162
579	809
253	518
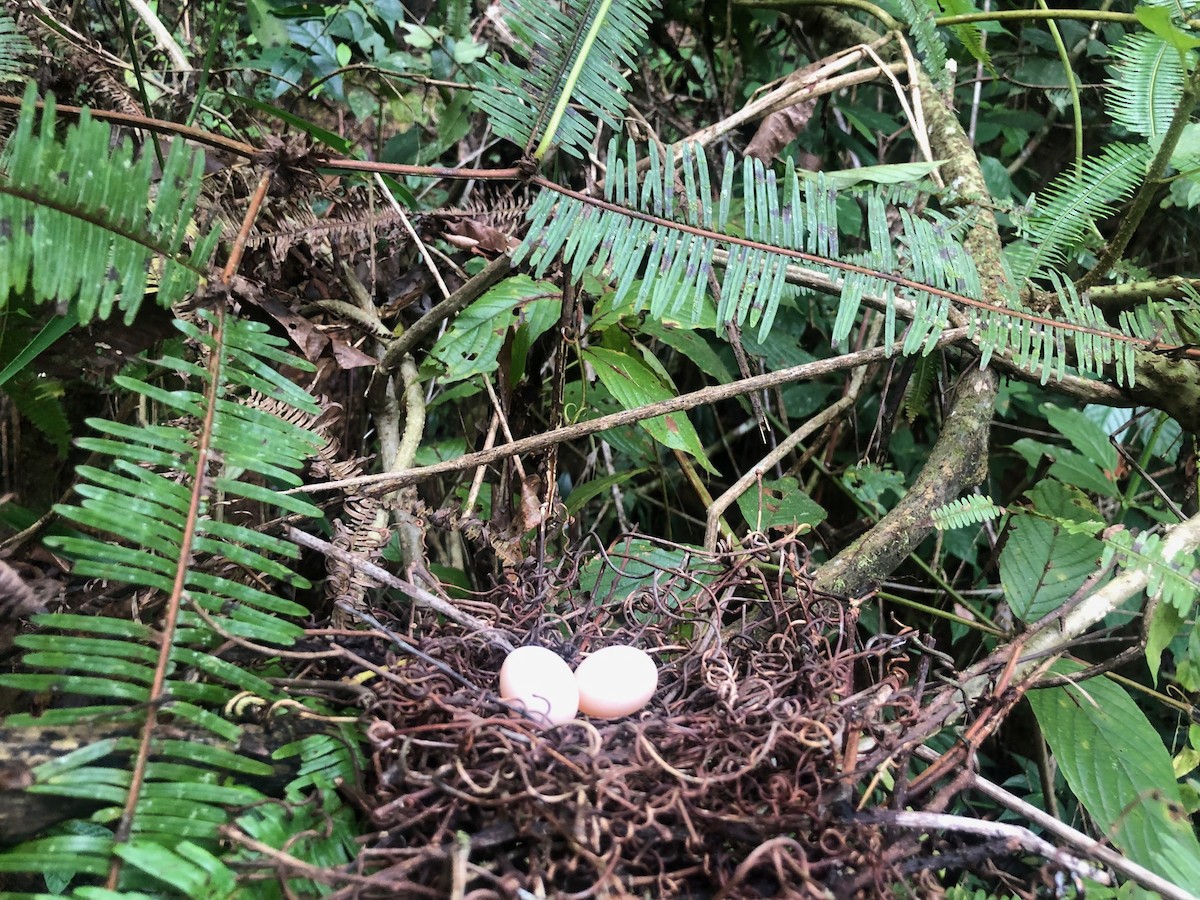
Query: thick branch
959	458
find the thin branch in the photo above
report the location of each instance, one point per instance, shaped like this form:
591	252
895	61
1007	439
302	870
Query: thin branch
161	35
414	592
1018	834
1071	836
812	426
538	442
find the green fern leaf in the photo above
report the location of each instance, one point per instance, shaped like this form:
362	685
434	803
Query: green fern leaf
918	15
1146	84
634	239
575	53
16	53
969	35
1176	580
195	779
920	387
971	510
40	401
77	225
1072	205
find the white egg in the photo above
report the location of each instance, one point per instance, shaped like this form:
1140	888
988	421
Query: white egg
616	681
539	682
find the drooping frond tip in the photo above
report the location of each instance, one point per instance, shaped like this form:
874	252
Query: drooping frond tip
574	54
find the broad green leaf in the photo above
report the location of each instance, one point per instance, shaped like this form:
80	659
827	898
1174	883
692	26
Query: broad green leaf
692	345
269	30
472	344
581	494
1116	764
165	865
1073	468
893	173
1043	563
1158	20
779	503
633	384
1085	435
1164	625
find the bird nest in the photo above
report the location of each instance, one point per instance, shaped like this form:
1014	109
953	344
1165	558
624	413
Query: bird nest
732	782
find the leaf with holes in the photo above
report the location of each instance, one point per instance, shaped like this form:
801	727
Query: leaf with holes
779	503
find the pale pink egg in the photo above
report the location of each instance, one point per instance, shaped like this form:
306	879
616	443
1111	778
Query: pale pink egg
616	681
539	682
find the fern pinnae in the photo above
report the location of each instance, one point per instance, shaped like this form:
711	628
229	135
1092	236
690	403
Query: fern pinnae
1147	82
919	18
974	509
82	198
1072	204
575	55
187	787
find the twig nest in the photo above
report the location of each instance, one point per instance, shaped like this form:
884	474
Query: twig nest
616	681
538	681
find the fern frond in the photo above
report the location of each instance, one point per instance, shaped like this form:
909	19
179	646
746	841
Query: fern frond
1177	580
16	53
196	780
972	510
655	238
575	54
658	235
918	15
1072	205
77	223
970	35
1146	84
920	387
39	401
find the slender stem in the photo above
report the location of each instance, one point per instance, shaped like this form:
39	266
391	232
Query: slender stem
1072	88
206	66
127	26
1033	15
936	612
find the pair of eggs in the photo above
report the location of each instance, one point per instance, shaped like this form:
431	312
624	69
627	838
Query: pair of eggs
614	681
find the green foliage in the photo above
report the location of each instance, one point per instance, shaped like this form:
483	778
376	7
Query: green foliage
970	35
965	511
1116	764
1045	560
574	56
136	511
1146	85
1174	580
76	199
633	383
779	504
16	53
40	401
635	563
472	345
1072	205
918	15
